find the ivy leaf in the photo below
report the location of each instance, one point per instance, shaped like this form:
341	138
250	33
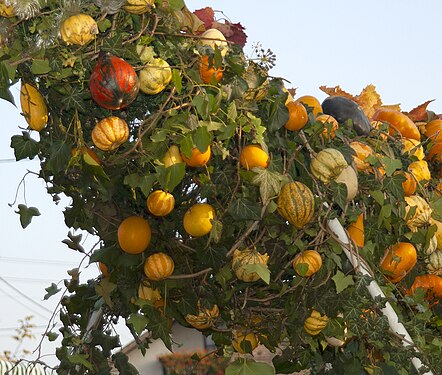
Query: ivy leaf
144	182
24	146
80	359
52	336
159	326
5	82
73	242
26	214
40	66
242	209
138	321
171	176
103	25
51	290
278	116
60	156
261	269
249	367
216	231
177	80
104	289
342	282
122	364
202	138
437	209
269	183
339	193
391	165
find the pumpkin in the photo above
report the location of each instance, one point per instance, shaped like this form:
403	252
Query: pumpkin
138	6
147	293
349	177
422	213
158	266
197	158
362	152
311	104
172	156
307	263
110	133
197	220
208	72
205	318
253	156
240	261
298	116
315	323
344	109
160	203
296	204
398	260
113	82
33	107
244	342
433	130
431	284
435	149
399	122
134	234
434	263
419	169
412	147
214	38
78	29
328	164
410	184
330	126
155	76
356	231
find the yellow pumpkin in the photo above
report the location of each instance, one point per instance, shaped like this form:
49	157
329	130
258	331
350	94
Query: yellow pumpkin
158	266
155	76
423	212
240	261
419	169
239	340
78	29
160	203
110	133
214	38
205	318
146	292
33	107
413	147
315	323
310	258
139	6
172	156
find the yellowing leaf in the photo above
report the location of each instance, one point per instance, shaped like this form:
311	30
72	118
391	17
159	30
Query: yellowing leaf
369	100
336	91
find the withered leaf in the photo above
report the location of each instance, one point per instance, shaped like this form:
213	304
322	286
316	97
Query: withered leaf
369	100
206	15
336	91
420	112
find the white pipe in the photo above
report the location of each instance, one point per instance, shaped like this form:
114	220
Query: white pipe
375	291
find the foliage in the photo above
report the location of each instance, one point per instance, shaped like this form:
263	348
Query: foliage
199	362
247	106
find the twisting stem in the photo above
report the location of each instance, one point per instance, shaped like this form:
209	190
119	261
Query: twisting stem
191	275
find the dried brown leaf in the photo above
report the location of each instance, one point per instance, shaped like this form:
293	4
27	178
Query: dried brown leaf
420	112
336	91
206	15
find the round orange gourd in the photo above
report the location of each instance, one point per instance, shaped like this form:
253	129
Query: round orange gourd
311	103
197	220
253	156
409	185
435	149
433	130
399	122
432	284
197	158
158	266
330	125
311	258
298	116
208	72
160	203
398	260
239	340
110	133
356	231
362	151
134	234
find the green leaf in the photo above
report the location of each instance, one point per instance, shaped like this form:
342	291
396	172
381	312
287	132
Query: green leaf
269	183
391	165
177	80
186	145
52	336
60	156
122	364
279	116
144	182
73	242
104	289
80	359
378	196
216	231
40	66
51	290
24	146
6	95
339	191
242	209
437	209
201	138
249	367
232	112
138	321
104	24
26	214
170	177
261	269
341	281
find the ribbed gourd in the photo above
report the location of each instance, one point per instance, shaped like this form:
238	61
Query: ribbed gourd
158	266
315	323
160	203
296	203
110	133
328	164
307	263
155	76
205	318
241	259
422	213
434	263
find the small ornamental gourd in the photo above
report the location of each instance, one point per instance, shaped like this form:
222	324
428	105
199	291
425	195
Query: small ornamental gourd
155	76
197	158
78	29
33	107
240	261
160	203
244	342
253	156
362	152
110	133
434	263
158	266
315	323
328	164
307	263
147	293
134	234
113	82
421	215
6	11
208	72
356	231
296	203
214	38
419	169
330	126
205	318
412	147
138	6
398	261
349	178
197	220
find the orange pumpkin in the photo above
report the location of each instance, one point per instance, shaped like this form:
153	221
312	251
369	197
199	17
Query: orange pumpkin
160	203
409	185
158	266
208	72
298	116
197	158
311	258
432	284
398	260
362	151
330	125
399	122
356	231
110	133
433	130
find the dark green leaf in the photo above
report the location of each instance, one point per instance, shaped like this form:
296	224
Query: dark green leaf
339	191
138	321
74	242
60	156
104	289
51	290
40	66
201	138
6	95
177	80
144	182
52	336
242	209
261	269
269	183
170	177
122	364
279	116
24	146
26	214
80	359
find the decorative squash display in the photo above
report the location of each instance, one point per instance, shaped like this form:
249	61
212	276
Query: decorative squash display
434	263
110	133
253	156
328	164
160	203
158	266
240	261
362	151
315	323
412	147
419	169
296	204
398	260
33	107
214	38
356	231
172	156
344	109
208	71
307	263
421	216
138	6
399	122
113	82
205	318
155	76
432	284
349	177
78	29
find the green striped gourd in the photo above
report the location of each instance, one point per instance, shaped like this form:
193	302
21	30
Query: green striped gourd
296	203
328	164
241	259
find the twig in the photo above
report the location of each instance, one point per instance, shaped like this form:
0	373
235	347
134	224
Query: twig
306	144
191	275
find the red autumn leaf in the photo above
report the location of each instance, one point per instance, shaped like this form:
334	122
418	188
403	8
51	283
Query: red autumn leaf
225	28
207	15
420	112
239	36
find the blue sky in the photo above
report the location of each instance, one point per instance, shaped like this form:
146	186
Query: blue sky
393	44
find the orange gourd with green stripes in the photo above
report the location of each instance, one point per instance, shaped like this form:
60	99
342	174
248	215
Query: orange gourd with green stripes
160	203
296	203
158	266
